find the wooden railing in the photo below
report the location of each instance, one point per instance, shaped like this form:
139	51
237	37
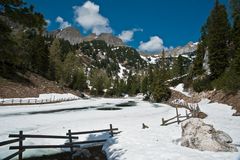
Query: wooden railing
32	101
178	118
69	135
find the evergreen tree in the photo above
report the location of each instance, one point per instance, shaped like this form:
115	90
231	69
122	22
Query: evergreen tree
200	53
178	67
229	81
55	64
144	85
99	81
6	53
217	40
79	80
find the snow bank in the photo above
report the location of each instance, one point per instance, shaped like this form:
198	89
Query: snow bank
43	98
180	88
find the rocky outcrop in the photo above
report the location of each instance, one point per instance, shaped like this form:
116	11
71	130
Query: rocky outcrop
232	99
90	37
69	34
186	50
74	36
110	39
198	135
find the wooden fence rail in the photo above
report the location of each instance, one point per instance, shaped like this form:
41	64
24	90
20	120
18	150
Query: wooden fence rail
69	135
22	101
178	117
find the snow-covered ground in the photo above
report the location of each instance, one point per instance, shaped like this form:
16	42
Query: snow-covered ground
133	143
180	88
43	98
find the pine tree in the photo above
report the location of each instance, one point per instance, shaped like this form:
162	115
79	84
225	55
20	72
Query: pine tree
99	81
200	53
144	85
55	64
229	82
79	80
178	67
217	40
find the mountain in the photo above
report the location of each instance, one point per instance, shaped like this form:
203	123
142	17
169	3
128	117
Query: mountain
69	34
187	51
74	36
116	60
110	39
90	37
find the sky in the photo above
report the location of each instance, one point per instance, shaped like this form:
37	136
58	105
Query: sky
148	25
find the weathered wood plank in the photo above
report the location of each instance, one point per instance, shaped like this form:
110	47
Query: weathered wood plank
12	155
3	143
39	147
41	136
94	131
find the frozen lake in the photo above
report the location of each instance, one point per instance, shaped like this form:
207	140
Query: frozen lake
133	143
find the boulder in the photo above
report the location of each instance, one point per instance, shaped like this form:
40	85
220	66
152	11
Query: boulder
198	135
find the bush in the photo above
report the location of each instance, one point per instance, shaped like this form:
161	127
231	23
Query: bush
228	82
203	84
161	93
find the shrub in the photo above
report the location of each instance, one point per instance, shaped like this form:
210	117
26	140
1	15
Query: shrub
161	93
203	84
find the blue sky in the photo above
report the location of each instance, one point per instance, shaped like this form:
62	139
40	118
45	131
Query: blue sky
166	22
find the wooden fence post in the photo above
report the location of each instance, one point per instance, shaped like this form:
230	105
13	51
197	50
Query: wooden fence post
186	114
163	123
20	156
177	114
70	142
111	130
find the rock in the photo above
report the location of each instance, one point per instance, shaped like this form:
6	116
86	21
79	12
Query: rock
144	126
81	154
236	114
198	135
110	39
70	34
201	115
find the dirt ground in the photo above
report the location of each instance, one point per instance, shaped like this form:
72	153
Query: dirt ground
30	85
215	96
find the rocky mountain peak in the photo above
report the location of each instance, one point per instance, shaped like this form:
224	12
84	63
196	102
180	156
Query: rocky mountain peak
110	39
70	34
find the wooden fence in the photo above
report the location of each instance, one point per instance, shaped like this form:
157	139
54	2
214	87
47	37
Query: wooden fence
176	119
32	101
70	136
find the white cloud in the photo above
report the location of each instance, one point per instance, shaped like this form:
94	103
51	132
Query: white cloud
89	18
62	24
155	44
127	35
48	21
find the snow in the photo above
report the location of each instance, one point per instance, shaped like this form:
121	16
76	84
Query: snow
180	88
152	60
133	143
42	98
121	72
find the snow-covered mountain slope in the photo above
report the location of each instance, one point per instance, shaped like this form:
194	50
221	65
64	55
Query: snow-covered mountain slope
133	143
187	51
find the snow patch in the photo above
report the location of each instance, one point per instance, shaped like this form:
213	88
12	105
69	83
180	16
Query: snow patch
180	88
